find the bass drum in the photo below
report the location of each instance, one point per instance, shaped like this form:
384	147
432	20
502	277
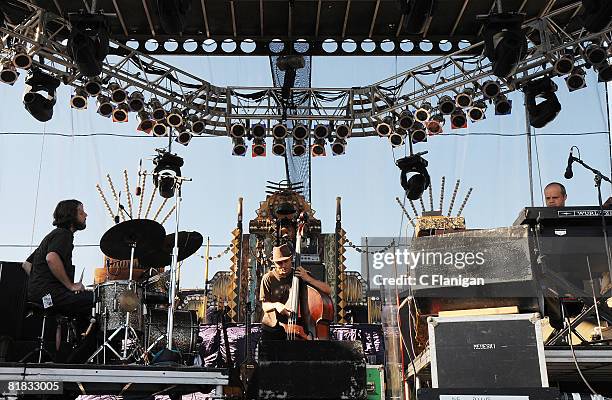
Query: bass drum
185	331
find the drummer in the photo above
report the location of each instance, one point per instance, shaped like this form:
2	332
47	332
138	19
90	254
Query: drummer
51	281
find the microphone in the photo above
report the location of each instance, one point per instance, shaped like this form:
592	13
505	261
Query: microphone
569	174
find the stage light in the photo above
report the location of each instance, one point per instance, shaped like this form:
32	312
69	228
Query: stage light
418	133
338	147
564	64
594	54
465	98
548	109
576	80
38	105
175	117
79	99
279	131
88	42
184	136
160	129
436	124
458	119
505	42
145	123
446	105
321	131
118	94
278	147
299	148
604	72
21	59
259	148
197	124
105	107
423	113
8	73
318	148
385	127
239	147
406	119
597	14
343	131
491	89
136	101
503	106
258	131
419	181
158	111
237	130
478	110
167	168
397	137
300	132
93	87
120	113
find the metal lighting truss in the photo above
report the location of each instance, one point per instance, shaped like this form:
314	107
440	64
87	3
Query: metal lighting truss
361	108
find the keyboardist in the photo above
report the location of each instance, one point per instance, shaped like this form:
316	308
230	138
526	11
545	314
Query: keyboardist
555	195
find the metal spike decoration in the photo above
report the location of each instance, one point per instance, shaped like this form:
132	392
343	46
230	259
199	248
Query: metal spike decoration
467	196
452	203
103	197
143	182
416	213
128	194
115	196
150	203
159	210
430	198
442	193
163	221
422	204
405	212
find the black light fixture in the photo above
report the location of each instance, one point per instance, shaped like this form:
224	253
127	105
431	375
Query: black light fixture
158	111
259	148
423	113
385	127
198	125
184	135
160	129
136	101
597	14
258	131
120	113
343	131
505	42
318	148
279	131
478	110
419	180
299	132
406	119
175	117
418	133
238	147
88	42
105	107
396	138
40	105
299	148
458	119
321	131
145	122
435	124
465	98
237	130
576	80
278	147
21	59
540	114
604	72
93	87
289	64
118	94
446	105
338	147
79	99
595	54
8	73
167	168
491	89
564	64
503	106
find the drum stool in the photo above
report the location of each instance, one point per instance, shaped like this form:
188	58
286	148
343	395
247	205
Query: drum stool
33	308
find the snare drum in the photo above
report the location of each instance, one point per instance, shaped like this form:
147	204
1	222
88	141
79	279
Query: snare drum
185	330
114	299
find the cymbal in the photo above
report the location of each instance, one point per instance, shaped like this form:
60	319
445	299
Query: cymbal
188	244
145	234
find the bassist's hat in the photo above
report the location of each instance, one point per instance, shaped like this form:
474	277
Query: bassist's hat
281	253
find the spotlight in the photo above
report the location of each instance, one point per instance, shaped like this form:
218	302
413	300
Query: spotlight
419	181
594	54
436	124
564	65
321	131
120	113
491	89
397	137
259	148
576	80
145	123
338	147
385	127
105	107
197	125
118	95
343	131
93	87
38	105
505	42
299	148
446	105
278	147
458	119
548	109
158	111
406	119
503	106
79	99
237	130
21	59
167	169
136	101
258	131
418	133
160	129
8	73
423	113
174	118
465	98
597	14
184	136
279	131
300	132
477	112
604	72
318	148
88	42
239	148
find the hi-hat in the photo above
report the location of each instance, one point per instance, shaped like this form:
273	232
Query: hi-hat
188	244
145	235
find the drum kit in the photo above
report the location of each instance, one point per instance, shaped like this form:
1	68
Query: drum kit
134	316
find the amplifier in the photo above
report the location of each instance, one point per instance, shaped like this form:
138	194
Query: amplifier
13	286
489	394
492	351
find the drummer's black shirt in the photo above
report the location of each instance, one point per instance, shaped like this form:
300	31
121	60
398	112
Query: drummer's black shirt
42	281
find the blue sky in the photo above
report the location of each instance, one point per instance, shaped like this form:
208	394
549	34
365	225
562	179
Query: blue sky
37	171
